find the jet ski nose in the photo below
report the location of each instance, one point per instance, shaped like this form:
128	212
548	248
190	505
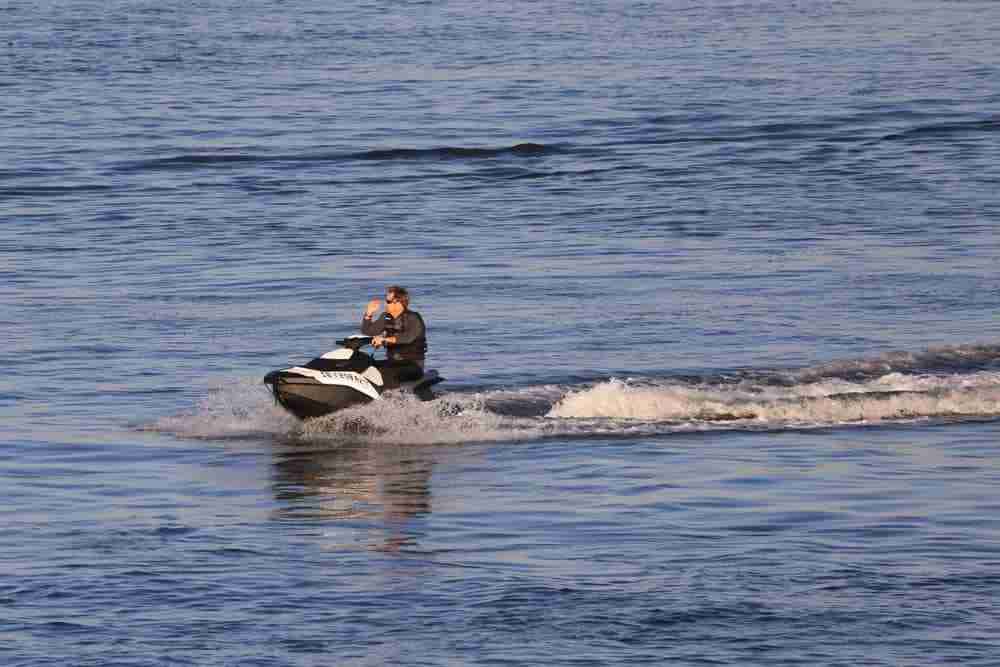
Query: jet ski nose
272	377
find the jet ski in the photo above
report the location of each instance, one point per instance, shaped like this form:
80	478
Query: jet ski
339	379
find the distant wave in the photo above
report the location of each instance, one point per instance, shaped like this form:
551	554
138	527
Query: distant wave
863	128
51	190
845	393
218	160
946	359
526	149
946	130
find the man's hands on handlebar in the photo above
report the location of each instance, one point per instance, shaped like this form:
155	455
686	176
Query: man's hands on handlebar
379	341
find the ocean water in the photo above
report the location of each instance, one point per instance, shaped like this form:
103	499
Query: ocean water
714	287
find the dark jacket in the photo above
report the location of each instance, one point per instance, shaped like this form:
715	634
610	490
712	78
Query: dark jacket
409	331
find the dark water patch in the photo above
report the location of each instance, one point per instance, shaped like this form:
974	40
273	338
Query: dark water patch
191	162
30	249
509	174
447	153
64	628
950	359
157	392
48	471
195	161
862	128
807	520
11	174
52	191
273	189
974	582
10	398
174	531
231	552
96	349
712	614
797	130
831	131
517	405
694	116
114	216
945	130
489	175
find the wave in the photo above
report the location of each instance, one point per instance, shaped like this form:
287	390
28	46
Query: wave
193	161
52	190
861	128
843	393
894	397
946	130
521	150
946	359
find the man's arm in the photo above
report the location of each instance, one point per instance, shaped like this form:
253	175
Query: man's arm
372	326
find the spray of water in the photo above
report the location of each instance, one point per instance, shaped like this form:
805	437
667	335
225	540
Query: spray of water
887	389
235	410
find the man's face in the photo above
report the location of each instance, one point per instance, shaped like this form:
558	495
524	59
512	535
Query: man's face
392	306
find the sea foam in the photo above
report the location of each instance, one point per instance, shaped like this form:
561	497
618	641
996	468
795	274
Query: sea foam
616	407
828	402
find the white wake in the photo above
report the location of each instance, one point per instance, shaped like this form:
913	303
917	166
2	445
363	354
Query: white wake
828	402
613	407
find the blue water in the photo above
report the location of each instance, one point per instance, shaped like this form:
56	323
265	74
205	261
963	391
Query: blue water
714	287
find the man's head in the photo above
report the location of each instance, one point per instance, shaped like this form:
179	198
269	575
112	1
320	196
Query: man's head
397	299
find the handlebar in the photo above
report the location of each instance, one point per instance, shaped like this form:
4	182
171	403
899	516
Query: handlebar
355	342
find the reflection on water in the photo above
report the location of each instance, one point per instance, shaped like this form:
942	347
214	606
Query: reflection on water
381	489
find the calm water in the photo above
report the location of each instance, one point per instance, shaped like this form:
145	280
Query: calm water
714	286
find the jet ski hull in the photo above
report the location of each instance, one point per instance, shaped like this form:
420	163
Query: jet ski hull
307	399
340	379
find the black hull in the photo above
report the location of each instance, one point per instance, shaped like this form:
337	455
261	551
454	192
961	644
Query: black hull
306	399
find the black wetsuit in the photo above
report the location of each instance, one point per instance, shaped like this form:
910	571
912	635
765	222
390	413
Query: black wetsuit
406	356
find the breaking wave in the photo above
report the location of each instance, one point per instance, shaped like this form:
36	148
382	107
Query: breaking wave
935	385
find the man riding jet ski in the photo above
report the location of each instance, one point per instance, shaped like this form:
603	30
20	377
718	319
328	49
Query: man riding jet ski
400	330
347	376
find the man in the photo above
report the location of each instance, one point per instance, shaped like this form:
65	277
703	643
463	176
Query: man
401	331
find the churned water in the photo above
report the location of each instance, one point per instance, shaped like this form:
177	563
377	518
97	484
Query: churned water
714	287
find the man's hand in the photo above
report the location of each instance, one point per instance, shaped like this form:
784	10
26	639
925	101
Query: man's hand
372	307
379	341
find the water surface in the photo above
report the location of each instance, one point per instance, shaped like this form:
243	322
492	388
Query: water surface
714	287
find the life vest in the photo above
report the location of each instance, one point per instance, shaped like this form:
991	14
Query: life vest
414	351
